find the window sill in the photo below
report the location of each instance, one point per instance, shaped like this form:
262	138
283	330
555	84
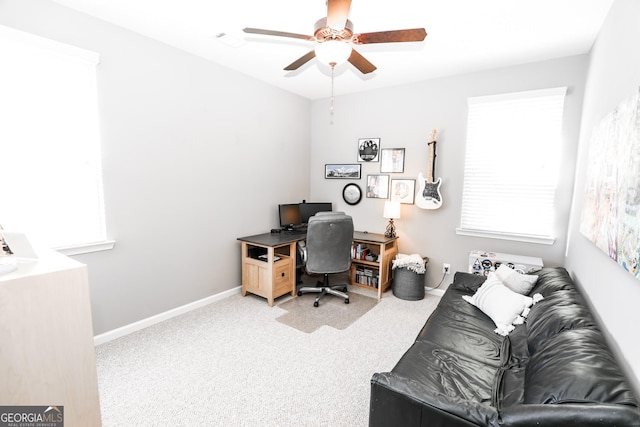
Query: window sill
86	248
543	240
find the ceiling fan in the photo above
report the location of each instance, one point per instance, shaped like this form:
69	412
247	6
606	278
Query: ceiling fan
334	37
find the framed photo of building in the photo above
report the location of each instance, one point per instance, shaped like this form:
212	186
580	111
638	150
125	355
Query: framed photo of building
343	171
378	186
392	160
403	190
368	149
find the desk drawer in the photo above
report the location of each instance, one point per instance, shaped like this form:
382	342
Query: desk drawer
282	276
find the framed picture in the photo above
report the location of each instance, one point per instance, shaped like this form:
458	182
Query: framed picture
343	171
392	160
611	200
378	186
403	190
368	149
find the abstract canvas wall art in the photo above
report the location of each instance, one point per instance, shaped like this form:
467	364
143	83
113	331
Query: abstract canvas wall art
611	209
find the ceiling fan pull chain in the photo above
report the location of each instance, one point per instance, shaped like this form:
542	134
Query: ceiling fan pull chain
332	97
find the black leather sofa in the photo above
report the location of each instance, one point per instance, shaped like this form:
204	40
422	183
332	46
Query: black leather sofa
554	370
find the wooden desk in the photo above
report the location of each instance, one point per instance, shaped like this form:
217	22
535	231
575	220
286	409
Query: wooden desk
269	263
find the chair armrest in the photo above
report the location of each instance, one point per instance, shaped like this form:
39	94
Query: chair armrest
302	250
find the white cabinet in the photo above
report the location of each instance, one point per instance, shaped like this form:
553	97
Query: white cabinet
47	355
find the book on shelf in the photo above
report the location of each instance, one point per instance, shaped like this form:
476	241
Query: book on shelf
367	276
360	252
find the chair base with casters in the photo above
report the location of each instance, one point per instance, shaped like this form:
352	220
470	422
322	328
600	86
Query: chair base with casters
323	289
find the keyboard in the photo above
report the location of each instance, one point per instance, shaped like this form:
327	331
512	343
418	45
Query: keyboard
295	231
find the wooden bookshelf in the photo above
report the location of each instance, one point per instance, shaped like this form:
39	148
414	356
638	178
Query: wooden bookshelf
373	273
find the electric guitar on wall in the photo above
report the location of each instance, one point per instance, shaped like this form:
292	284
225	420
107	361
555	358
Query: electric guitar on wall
429	196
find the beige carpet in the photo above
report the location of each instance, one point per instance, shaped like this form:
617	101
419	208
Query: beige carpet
332	311
231	363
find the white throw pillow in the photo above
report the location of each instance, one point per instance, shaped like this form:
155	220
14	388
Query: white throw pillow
505	307
520	283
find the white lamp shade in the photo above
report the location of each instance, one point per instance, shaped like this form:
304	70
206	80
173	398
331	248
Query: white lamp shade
391	209
333	52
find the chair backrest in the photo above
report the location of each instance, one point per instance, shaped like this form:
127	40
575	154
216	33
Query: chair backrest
329	241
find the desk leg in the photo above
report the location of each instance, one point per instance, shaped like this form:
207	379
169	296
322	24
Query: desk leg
382	272
268	281
245	255
293	251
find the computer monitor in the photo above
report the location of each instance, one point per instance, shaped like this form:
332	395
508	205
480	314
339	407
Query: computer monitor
289	215
307	210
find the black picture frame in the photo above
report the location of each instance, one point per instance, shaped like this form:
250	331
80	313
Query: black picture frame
368	149
342	171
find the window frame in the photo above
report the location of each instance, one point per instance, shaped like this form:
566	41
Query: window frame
61	51
555	97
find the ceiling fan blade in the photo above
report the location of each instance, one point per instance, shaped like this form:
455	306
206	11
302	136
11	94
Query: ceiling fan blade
337	13
278	33
301	61
413	35
361	63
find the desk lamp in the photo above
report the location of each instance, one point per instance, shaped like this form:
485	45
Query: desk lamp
391	211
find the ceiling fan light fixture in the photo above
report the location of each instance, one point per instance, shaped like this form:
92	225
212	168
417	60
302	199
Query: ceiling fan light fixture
333	52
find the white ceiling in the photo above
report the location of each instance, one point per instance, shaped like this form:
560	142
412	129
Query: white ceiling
462	35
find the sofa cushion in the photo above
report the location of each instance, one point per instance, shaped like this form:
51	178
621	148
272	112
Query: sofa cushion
509	389
516	350
563	310
575	366
442	372
517	282
459	326
551	280
505	307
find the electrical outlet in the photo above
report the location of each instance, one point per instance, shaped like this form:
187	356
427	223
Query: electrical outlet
446	268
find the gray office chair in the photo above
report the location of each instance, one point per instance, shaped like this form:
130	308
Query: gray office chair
327	251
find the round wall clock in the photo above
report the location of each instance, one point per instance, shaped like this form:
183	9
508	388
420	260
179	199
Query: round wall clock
352	194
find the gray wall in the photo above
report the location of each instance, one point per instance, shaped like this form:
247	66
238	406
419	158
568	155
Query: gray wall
614	74
404	116
195	155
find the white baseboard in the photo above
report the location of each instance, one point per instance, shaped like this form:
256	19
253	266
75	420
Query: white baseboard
150	321
433	291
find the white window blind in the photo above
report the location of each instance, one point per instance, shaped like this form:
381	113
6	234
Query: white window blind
511	166
49	141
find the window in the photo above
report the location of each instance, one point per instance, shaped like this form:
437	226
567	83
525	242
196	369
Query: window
49	141
511	165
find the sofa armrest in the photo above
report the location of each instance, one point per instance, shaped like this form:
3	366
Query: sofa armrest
397	400
569	415
467	282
